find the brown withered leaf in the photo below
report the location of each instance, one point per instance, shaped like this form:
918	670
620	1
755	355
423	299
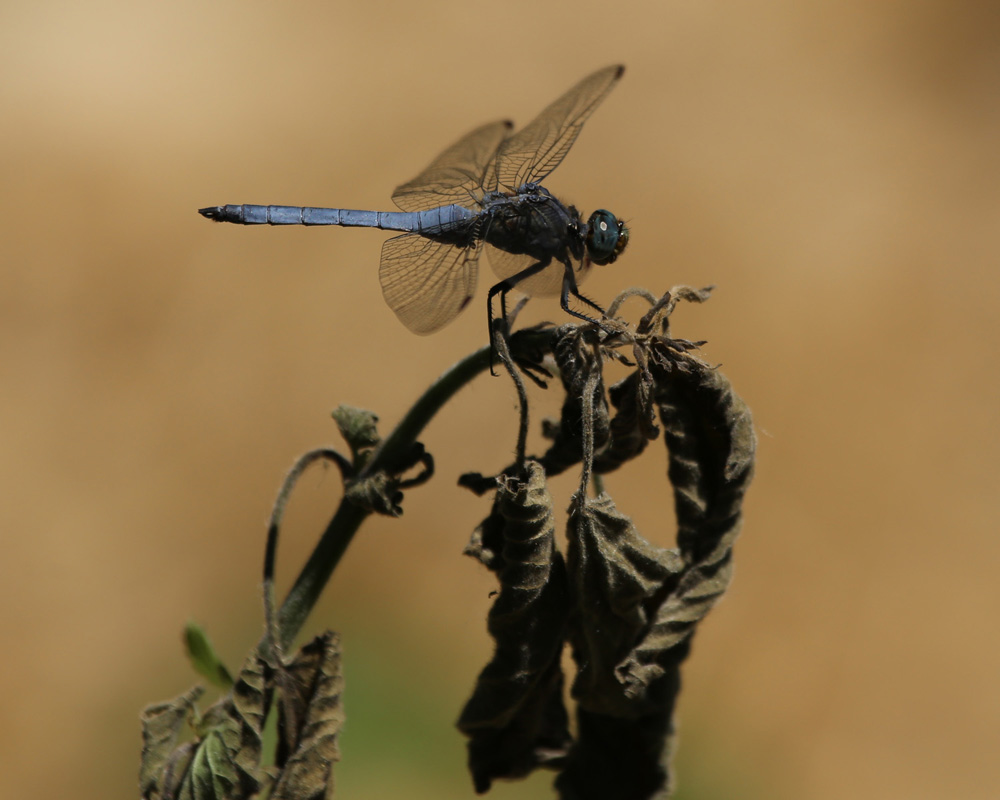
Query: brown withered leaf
710	437
358	426
486	543
578	361
619	580
515	719
163	724
632	427
378	494
711	442
309	722
223	763
638	605
624	759
238	722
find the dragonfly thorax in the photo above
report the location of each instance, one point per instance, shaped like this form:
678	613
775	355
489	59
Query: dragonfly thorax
532	222
606	237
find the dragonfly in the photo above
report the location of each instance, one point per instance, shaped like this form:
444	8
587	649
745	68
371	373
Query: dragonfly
482	193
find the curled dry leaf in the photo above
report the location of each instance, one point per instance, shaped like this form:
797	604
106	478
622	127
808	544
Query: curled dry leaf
378	494
711	443
358	426
163	724
619	581
636	605
223	762
632	427
515	719
578	361
486	543
627	759
310	718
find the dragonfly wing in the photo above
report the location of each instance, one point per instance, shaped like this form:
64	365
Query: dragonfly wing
536	150
455	176
547	283
427	283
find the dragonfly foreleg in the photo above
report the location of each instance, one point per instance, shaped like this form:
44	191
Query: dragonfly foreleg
569	288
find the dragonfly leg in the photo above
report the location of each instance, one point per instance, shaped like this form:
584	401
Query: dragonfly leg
502	288
569	288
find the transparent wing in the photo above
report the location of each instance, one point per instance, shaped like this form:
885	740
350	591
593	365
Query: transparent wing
536	150
547	283
455	176
427	283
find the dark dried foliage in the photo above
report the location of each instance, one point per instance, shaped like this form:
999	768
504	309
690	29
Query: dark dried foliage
626	608
309	721
378	492
515	718
620	581
632	427
578	359
633	606
223	760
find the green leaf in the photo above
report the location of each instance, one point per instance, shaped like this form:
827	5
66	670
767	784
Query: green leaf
212	775
204	658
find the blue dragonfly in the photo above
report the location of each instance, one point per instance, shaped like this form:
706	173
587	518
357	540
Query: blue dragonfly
483	192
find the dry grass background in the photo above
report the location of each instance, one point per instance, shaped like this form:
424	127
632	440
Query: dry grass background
832	167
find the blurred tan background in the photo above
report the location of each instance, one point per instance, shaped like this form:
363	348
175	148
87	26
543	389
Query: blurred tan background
831	167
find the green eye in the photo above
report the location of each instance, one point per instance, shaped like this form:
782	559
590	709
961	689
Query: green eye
606	237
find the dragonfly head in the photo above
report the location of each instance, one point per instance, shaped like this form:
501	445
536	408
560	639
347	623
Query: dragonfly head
606	237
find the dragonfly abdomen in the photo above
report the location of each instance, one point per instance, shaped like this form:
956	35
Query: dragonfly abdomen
432	221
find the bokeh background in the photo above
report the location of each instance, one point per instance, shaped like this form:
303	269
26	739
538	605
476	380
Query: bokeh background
832	167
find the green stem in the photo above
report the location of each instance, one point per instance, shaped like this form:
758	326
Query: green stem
348	517
423	411
317	570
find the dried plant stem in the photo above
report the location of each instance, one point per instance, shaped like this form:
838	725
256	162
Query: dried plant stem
271	550
503	351
587	425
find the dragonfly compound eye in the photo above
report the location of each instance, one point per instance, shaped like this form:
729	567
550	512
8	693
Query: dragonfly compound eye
606	237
